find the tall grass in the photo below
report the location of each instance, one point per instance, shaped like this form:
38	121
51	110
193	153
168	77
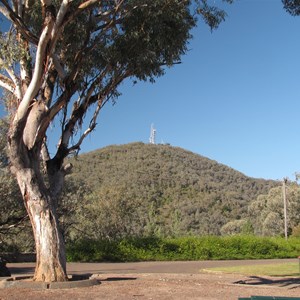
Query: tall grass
183	248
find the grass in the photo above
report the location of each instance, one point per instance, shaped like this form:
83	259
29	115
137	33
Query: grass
282	270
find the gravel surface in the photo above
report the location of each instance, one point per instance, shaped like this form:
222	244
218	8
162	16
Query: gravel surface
160	280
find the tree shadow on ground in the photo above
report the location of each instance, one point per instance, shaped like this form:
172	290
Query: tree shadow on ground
119	278
290	282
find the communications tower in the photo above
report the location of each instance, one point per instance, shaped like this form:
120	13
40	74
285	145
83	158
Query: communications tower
152	135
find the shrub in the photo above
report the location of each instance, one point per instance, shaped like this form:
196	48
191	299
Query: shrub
183	248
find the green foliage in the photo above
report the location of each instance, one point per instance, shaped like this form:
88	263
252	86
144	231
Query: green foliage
70	208
109	212
296	231
15	231
3	142
292	7
184	248
148	35
151	36
10	49
141	189
142	38
242	226
88	251
266	212
212	15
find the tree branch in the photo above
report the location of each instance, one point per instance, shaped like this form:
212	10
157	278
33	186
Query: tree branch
5	12
18	22
58	26
86	4
12	222
20	8
61	102
16	82
80	8
37	75
101	98
45	152
7	83
59	68
49	84
25	66
77	114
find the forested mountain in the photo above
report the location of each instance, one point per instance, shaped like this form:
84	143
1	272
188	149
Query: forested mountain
142	189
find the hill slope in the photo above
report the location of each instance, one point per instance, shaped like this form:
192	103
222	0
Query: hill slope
160	189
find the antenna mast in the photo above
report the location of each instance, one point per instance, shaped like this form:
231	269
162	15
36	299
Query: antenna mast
152	135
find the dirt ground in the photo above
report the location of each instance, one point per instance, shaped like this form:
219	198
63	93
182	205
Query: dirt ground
176	286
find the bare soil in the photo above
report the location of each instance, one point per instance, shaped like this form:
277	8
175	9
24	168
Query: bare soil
176	286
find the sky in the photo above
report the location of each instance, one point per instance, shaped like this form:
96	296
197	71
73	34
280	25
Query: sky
234	99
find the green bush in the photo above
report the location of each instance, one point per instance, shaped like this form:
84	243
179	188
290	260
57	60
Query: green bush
183	248
93	251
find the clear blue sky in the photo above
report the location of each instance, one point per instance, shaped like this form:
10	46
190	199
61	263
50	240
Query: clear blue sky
235	98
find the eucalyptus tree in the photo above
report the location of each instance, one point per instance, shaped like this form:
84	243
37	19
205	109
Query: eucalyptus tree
266	213
62	58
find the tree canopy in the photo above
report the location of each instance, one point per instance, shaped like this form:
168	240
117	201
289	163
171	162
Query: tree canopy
266	213
60	63
292	7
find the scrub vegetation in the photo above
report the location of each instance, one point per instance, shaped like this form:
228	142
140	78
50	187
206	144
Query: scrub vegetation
185	248
159	190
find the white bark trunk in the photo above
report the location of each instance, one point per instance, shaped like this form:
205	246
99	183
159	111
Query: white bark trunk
50	247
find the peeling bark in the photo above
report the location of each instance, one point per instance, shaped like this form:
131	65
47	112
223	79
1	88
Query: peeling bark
50	247
34	120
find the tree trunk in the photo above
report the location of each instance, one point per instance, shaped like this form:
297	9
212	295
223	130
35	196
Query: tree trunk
50	247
